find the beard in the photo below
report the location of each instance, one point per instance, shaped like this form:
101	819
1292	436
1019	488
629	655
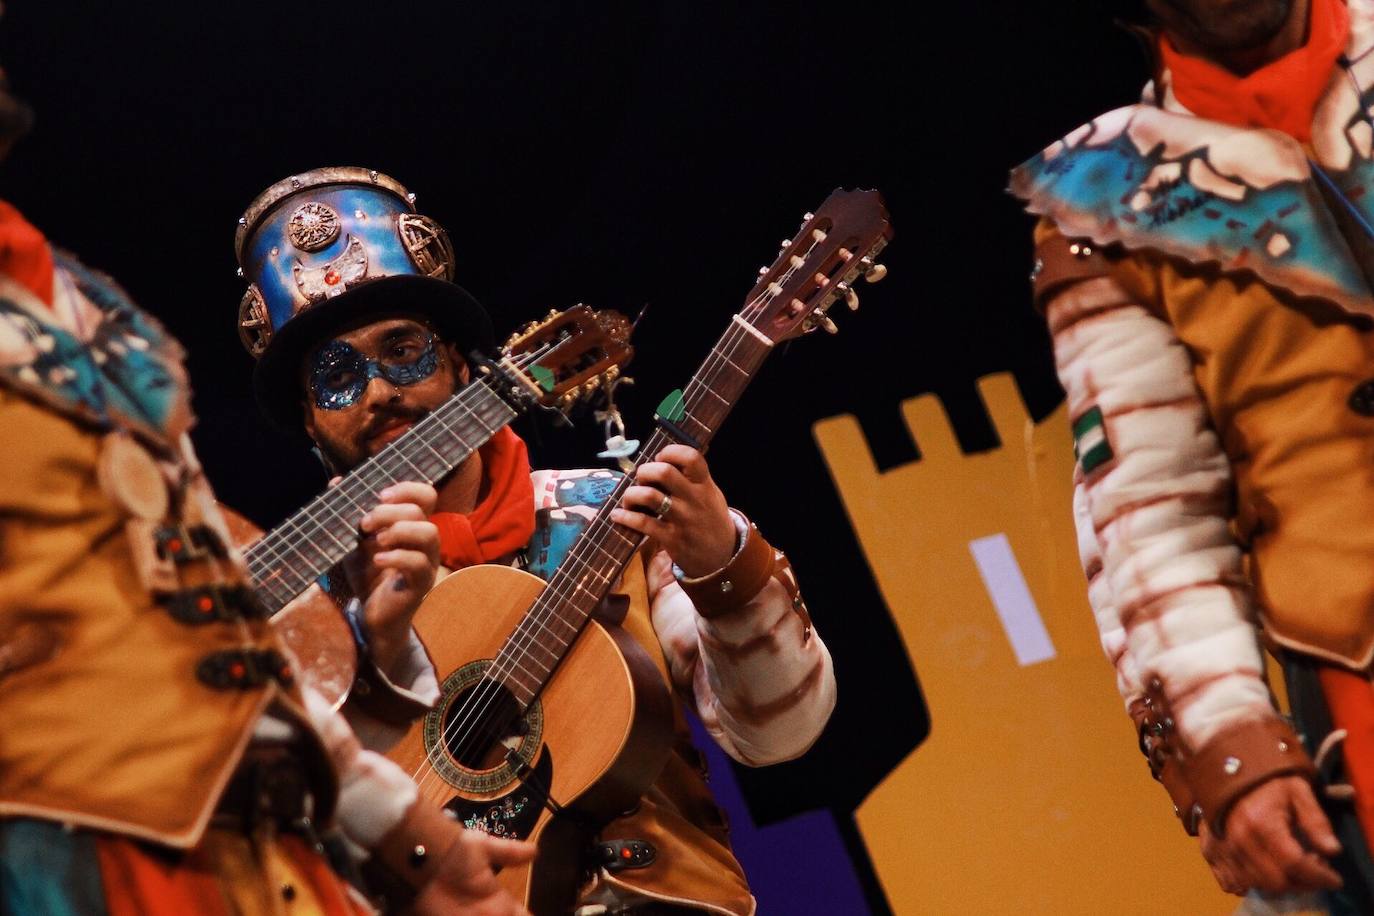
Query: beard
342	455
1223	25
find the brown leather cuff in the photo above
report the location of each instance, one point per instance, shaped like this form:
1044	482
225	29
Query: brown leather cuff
1061	262
372	694
1240	758
414	849
736	584
1154	726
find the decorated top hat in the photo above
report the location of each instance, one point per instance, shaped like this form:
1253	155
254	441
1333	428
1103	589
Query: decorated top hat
327	248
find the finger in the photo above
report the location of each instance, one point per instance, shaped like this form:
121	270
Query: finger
1286	866
1252	857
646	498
504	852
411	491
416	567
334	481
646	525
687	459
662	475
1314	824
390	513
411	535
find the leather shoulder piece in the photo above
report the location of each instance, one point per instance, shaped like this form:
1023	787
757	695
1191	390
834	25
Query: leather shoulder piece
1239	758
1061	262
735	584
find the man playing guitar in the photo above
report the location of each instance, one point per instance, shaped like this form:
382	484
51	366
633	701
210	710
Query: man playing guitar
360	332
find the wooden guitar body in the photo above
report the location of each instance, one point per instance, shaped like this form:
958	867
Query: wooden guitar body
592	742
312	628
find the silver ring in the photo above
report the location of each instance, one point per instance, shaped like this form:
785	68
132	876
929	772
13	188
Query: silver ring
664	508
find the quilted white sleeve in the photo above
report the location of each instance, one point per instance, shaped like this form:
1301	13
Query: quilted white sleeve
1157	487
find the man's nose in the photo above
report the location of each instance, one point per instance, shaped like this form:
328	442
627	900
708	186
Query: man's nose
380	390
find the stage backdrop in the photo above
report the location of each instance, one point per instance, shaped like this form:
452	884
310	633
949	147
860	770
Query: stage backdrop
627	152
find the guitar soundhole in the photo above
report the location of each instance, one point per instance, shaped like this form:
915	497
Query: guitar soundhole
475	738
481	724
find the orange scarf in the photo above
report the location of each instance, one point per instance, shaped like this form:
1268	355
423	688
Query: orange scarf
503	521
1281	95
24	254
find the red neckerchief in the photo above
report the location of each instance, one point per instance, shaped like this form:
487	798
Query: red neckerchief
1281	95
25	255
503	521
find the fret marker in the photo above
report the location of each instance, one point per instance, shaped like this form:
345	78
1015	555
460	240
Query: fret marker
672	407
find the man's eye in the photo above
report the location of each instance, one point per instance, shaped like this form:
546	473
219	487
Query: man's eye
339	379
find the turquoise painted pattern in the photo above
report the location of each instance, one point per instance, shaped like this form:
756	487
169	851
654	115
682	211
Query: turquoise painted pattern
1089	189
47	869
127	375
556	530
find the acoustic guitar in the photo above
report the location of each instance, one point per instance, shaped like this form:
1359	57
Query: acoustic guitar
550	364
552	720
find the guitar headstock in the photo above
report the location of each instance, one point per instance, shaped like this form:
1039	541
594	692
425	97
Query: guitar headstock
567	355
836	246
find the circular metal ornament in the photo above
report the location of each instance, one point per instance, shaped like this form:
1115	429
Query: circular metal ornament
313	226
427	243
130	476
255	327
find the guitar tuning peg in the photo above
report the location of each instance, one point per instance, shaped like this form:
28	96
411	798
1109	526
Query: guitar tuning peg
851	298
762	271
785	243
822	320
873	272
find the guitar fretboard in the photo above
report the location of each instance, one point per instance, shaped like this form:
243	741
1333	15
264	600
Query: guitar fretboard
294	554
531	654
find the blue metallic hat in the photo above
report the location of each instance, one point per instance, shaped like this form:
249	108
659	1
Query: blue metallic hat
330	247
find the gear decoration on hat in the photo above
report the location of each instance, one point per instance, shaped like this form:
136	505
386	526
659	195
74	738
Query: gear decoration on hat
428	245
255	326
314	226
316	283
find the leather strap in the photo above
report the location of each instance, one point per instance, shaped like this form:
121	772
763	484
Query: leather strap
1061	262
1239	758
735	584
1155	728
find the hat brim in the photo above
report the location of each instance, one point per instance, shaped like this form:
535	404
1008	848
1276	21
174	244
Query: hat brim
448	308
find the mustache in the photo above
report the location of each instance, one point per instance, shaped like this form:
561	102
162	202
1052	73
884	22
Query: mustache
389	415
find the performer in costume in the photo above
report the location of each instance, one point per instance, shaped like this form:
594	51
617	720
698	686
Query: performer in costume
156	753
1205	261
360	331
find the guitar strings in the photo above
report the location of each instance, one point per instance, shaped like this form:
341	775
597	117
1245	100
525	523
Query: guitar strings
266	555
511	652
480	702
546	606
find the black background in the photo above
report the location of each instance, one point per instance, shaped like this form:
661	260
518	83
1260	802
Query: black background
617	153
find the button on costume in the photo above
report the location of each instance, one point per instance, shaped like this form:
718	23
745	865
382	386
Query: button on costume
1205	261
738	646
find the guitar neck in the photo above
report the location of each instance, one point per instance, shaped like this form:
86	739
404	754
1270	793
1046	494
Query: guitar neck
293	555
529	657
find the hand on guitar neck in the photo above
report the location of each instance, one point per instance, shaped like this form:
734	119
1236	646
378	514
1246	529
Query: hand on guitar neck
676	503
394	566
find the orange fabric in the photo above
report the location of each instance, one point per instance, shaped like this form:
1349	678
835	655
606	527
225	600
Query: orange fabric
1350	699
503	521
1281	95
229	874
25	254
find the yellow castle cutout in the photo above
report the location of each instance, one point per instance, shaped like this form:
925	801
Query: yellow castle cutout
1029	796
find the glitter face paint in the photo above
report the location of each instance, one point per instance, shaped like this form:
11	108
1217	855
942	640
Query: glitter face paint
339	374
